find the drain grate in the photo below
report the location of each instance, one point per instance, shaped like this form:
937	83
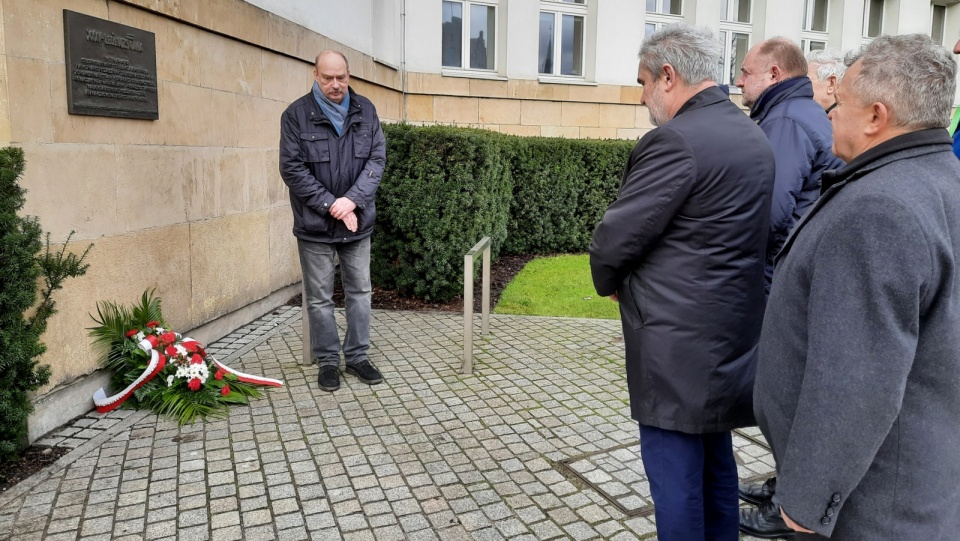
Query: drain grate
617	473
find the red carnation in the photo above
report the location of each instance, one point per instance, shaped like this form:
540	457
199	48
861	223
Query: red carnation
190	346
194	384
168	337
153	324
219	375
152	338
171	351
132	332
196	359
225	391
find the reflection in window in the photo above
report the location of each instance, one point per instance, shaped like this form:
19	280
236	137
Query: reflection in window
452	34
482	28
735	47
666	7
478	51
561	45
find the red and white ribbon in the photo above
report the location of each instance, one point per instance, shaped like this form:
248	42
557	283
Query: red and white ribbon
105	404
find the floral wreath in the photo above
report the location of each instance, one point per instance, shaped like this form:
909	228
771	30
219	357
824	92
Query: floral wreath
140	348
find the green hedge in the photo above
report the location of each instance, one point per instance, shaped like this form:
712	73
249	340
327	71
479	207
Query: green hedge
445	188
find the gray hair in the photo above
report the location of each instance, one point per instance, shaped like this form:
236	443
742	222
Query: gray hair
911	75
692	51
829	63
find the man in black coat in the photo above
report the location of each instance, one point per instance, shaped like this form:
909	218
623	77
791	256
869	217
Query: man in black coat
682	249
332	154
858	377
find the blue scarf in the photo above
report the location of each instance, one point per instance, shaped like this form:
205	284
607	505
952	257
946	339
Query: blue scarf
336	112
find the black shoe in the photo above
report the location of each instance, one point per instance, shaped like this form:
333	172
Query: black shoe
758	494
329	378
765	522
365	372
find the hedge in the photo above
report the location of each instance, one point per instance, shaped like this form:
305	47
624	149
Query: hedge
444	188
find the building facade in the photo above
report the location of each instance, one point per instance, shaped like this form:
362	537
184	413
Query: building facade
192	203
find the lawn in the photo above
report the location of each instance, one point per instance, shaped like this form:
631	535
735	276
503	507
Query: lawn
556	286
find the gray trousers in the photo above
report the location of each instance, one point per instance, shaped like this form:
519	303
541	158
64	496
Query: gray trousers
316	262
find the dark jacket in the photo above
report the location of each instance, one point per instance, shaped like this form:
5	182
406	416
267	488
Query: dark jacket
683	247
858	379
801	136
319	167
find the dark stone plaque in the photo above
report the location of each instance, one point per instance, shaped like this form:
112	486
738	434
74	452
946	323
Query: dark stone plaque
111	68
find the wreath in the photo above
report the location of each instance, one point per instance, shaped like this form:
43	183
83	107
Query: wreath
161	370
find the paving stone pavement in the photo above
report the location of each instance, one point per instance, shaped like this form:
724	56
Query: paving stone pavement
536	444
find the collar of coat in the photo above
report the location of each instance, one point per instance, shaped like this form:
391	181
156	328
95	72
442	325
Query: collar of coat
908	145
926	141
795	87
317	116
707	96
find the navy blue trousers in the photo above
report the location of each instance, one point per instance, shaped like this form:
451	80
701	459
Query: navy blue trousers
693	481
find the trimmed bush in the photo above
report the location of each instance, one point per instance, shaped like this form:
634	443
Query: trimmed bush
445	188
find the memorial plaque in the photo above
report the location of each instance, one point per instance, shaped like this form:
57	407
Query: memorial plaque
111	68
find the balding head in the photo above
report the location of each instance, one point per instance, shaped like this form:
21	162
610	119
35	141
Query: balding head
332	73
769	63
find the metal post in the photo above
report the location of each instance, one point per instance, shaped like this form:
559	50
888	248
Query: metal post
483	245
467	367
307	350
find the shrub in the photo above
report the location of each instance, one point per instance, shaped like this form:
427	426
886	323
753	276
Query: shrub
21	265
445	188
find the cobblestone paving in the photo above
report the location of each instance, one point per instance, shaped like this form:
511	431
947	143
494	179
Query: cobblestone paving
427	455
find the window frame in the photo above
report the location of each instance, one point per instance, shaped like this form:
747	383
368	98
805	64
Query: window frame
659	10
558	9
464	67
725	17
808	36
865	28
727	53
943	22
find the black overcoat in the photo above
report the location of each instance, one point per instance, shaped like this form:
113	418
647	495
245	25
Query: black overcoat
683	246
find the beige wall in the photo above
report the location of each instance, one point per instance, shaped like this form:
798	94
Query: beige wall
192	204
529	108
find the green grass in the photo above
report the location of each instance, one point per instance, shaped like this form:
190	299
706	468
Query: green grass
556	286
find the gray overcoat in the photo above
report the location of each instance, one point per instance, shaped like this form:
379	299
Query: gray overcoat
858	379
683	246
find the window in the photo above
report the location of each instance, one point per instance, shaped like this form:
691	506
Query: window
937	20
661	13
562	28
813	36
812	45
735	11
735	47
815	15
735	31
475	49
665	7
872	18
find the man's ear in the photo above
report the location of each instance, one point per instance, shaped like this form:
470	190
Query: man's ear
832	84
669	77
776	73
879	119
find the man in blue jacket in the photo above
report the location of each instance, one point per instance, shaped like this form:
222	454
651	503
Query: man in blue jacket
780	96
332	154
